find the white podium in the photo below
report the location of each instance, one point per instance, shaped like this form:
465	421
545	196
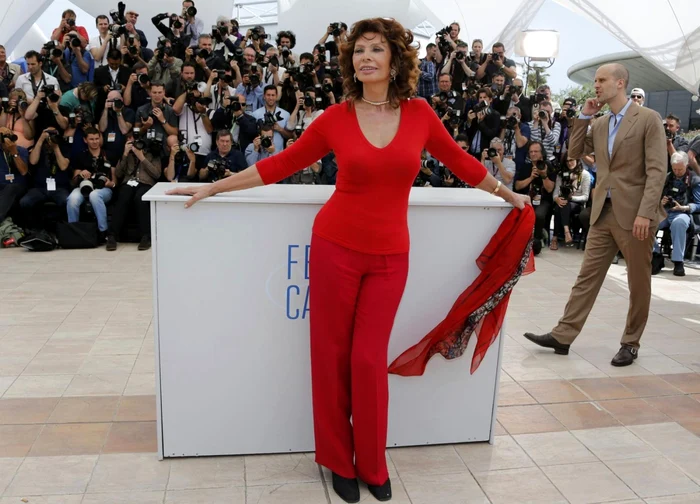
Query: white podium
230	288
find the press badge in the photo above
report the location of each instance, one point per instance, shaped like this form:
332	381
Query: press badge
10	177
50	184
133	183
111	137
536	200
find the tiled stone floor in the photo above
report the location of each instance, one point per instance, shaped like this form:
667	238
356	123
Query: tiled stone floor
77	406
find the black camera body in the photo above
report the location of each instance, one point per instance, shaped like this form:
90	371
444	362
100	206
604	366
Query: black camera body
50	92
217	168
143	79
480	107
255	34
427	163
492	153
669	135
542	115
11	137
266	142
511	122
335	29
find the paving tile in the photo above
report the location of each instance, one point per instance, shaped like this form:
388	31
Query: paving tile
512	394
528	419
236	495
124	498
107	364
213	472
17	440
97	385
46	499
688	383
519	486
588	483
614	443
39	386
653	477
289	493
676	499
599	389
136	409
634	412
8	468
70	439
678	408
132	437
5	382
449	488
426	459
648	386
504	453
85	409
581	415
141	384
553	391
27	410
52	475
551	448
263	470
50	365
129	472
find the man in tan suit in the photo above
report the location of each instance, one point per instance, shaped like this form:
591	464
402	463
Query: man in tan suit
630	152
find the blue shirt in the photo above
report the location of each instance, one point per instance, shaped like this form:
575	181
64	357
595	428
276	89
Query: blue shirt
6	170
77	76
277	138
253	97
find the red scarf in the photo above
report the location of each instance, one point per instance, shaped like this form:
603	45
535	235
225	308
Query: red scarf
482	307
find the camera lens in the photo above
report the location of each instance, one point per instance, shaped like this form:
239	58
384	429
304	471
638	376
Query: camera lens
542	114
266	142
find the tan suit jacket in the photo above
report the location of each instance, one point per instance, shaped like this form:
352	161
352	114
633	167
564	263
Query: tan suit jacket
636	171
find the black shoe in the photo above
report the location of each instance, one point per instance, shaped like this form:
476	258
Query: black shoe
346	488
678	268
616	259
657	263
381	493
537	247
111	243
548	341
145	243
625	356
101	237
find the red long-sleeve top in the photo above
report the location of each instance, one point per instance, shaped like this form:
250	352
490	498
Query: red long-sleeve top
368	212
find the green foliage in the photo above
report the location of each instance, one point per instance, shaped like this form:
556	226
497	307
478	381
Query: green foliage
579	93
532	80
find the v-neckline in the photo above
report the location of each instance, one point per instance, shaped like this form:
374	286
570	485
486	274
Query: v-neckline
362	134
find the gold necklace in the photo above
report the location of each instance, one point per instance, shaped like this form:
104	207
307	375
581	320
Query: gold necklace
376	104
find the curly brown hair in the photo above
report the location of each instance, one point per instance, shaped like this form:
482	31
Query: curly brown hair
404	58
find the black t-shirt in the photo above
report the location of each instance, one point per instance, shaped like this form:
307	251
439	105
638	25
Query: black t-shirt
139	97
86	161
235	161
48	167
113	139
524	172
144	112
492	69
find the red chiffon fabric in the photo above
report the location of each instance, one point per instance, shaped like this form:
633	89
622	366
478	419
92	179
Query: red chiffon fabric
482	307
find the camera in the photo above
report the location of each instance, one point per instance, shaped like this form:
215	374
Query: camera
335	29
491	152
236	106
71	22
495	57
192	100
256	34
570	113
202	53
74	41
11	137
118	30
480	107
542	115
538	98
143	79
309	100
217	168
50	92
175	22
511	122
117	14
51	48
117	104
427	163
460	55
191	11
96	181
254	80
669	135
133	50
266	142
328	88
164	51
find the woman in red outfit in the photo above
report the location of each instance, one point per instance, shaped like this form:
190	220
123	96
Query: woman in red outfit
360	243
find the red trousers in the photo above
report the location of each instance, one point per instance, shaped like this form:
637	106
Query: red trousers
353	302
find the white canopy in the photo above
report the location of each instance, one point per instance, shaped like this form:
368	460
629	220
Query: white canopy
666	33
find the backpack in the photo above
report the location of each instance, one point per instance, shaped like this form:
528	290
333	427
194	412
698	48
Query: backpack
41	241
10	233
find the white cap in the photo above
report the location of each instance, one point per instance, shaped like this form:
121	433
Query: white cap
638	91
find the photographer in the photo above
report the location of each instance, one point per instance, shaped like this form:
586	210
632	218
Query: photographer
112	76
138	170
79	60
515	136
566	119
132	18
9	72
275	115
483	123
181	163
35	78
13	172
115	122
446	40
571	193
224	161
272	72
138	88
681	198
514	98
101	45
84	95
537	178
186	81
477	55
194	122
304	112
542	129
286	41
92	164
257	38
50	174
164	67
446	97
222	83
204	57
497	62
339	32
44	109
428	81
675	142
133	54
233	117
311	175
497	164
194	26
456	66
174	32
12	117
157	114
251	89
68	26
262	147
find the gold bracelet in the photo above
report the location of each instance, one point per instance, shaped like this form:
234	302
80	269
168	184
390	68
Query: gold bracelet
498	186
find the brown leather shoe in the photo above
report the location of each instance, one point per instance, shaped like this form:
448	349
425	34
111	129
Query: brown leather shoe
625	356
548	341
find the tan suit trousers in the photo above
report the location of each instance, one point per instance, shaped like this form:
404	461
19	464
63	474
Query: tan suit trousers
605	238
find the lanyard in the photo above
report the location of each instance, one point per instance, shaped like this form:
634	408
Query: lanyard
8	163
35	87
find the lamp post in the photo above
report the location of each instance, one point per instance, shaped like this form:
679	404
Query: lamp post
539	49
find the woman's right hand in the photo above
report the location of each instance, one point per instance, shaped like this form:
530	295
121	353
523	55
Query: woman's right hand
197	193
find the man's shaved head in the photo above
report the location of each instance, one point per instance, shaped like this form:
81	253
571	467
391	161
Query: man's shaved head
618	72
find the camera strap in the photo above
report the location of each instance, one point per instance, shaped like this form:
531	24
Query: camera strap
36	87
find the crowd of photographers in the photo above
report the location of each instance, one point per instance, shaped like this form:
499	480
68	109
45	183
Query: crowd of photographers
103	120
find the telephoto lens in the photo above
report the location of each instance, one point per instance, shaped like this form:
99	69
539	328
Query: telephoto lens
427	163
143	79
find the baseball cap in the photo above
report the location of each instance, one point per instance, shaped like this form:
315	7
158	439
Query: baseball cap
638	91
